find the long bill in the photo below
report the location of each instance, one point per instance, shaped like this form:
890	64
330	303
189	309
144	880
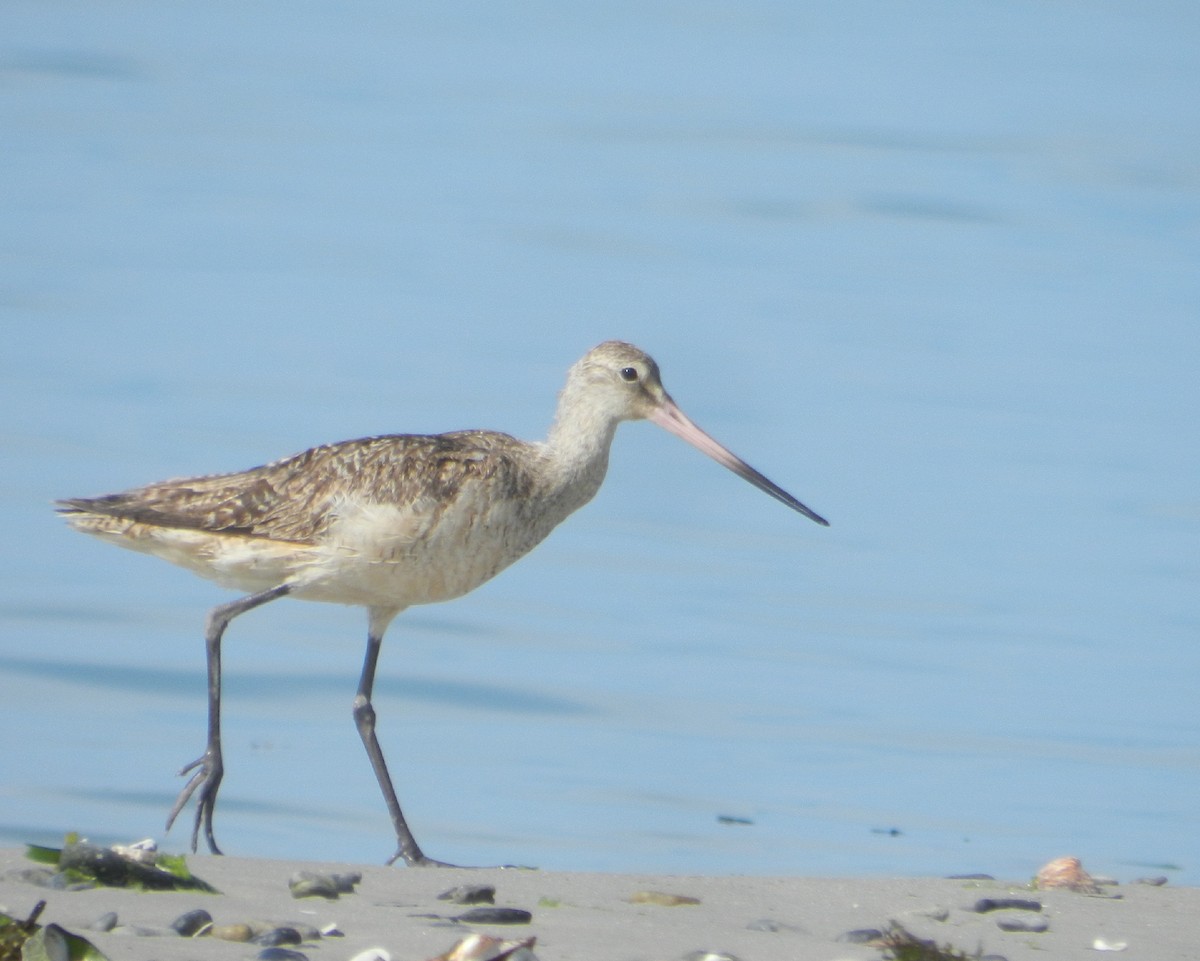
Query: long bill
669	417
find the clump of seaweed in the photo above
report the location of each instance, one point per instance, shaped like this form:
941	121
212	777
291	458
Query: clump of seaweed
82	863
22	940
900	944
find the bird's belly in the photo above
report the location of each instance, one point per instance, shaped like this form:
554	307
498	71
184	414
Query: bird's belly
398	559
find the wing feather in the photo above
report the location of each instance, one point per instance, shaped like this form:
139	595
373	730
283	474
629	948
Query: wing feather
297	498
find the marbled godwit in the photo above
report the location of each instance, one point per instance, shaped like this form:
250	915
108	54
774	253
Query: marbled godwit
388	522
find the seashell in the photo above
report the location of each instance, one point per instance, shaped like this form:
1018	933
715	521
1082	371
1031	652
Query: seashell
144	851
485	947
372	954
1066	873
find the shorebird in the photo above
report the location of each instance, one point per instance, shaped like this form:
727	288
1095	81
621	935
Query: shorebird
385	523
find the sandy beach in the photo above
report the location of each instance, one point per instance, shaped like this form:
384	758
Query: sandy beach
603	917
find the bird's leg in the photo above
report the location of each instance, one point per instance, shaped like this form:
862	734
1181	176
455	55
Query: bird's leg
209	767
364	719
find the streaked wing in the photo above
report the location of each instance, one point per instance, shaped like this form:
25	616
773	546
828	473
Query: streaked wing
295	499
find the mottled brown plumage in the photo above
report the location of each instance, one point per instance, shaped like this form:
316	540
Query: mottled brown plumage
388	522
293	499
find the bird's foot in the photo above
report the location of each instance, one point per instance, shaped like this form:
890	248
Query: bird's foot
419	860
206	780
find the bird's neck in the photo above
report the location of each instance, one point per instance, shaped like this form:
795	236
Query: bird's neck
578	445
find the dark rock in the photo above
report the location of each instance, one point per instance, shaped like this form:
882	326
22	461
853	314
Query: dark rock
1036	925
860	936
186	925
495	916
470	894
277	936
311	884
984	905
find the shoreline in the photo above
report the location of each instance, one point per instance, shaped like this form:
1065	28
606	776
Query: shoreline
591	917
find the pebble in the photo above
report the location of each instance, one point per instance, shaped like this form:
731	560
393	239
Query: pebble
1157	882
106	922
1100	944
662	898
274	937
310	884
470	894
860	936
231	932
192	922
984	905
495	916
710	956
281	954
1035	925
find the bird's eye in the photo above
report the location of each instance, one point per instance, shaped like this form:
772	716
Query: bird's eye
629	374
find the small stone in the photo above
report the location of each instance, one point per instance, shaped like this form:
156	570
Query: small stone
231	932
1157	882
661	898
106	922
470	894
1036	925
281	954
313	884
1102	944
277	936
330	930
984	905
495	916
306	884
189	924
346	883
860	936
710	956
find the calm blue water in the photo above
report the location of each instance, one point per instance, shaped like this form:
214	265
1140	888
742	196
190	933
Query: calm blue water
933	267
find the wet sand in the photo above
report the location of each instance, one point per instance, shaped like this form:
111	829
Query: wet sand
590	917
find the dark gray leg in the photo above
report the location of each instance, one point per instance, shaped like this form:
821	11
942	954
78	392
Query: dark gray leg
209	767
364	719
